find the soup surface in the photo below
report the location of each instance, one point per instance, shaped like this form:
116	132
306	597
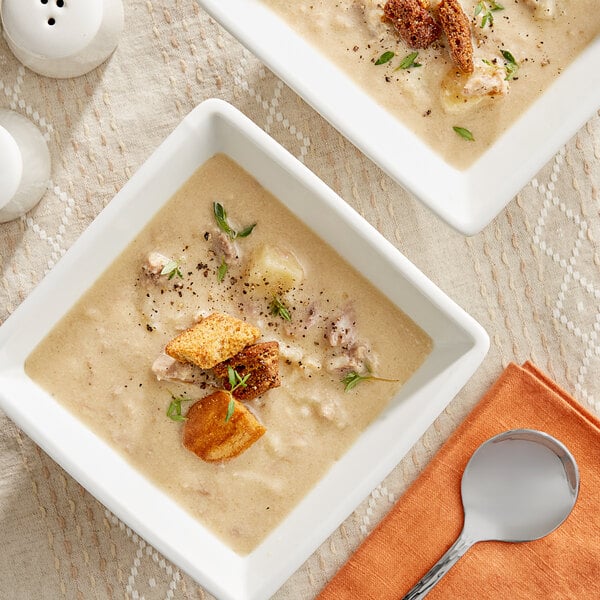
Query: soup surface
541	36
104	359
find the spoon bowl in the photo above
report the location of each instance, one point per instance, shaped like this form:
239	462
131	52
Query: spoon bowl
517	487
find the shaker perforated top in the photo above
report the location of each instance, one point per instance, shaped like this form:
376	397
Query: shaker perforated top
62	38
52	28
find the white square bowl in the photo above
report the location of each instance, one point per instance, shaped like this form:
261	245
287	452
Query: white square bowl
459	346
466	199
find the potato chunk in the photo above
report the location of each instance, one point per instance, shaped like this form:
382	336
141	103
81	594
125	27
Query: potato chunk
212	340
210	436
273	266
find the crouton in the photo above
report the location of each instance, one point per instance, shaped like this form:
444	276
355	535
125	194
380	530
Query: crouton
456	26
261	362
212	340
414	23
210	435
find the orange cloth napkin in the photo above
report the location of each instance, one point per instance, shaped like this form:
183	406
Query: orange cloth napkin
429	517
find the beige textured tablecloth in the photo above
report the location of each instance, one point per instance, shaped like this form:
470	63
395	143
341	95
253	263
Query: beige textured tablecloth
531	278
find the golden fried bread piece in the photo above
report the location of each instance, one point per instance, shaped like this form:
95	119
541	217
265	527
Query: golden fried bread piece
261	361
212	340
415	24
455	24
208	434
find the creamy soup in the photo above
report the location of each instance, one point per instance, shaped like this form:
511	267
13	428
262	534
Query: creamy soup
99	360
542	36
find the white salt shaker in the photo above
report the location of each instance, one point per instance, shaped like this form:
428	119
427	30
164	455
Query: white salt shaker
24	165
62	38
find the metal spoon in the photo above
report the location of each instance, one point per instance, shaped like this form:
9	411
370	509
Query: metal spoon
517	487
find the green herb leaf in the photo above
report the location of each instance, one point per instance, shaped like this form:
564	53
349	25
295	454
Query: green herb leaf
352	379
408	62
174	410
487	8
221	219
222	271
384	58
231	373
511	66
464	133
508	57
230	409
279	309
172	269
247	231
236	380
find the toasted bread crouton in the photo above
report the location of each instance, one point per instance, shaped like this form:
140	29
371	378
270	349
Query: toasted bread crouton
212	340
415	24
261	361
208	434
455	24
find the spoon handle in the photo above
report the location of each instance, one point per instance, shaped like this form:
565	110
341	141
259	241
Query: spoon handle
441	567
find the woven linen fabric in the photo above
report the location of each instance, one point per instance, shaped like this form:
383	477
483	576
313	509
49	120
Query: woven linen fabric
531	278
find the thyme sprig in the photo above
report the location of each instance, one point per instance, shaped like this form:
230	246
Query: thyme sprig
172	269
278	309
385	58
464	133
222	271
235	381
511	65
174	410
409	62
221	219
487	8
352	379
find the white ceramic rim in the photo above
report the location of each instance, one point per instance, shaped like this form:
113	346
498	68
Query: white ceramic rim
459	347
467	200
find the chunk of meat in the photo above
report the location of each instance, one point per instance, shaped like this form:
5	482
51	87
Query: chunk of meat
369	11
224	247
168	369
303	321
457	28
155	263
412	20
342	331
260	362
543	9
486	80
353	353
356	358
208	434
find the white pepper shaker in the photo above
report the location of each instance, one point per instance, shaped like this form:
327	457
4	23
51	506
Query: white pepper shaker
62	38
24	165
